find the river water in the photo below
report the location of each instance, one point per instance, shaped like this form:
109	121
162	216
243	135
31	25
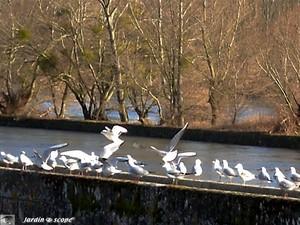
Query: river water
14	140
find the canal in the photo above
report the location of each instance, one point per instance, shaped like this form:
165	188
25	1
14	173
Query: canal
14	140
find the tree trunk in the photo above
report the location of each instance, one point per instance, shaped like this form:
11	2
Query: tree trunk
116	63
214	105
178	93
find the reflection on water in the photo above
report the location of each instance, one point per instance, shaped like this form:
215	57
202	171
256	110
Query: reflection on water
14	140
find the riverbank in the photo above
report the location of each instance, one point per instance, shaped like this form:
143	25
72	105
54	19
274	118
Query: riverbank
203	135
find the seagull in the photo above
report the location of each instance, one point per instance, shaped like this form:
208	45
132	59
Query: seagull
218	168
172	144
294	175
80	155
98	171
40	163
228	171
114	133
263	175
245	175
170	156
115	160
52	151
49	156
109	149
135	169
70	164
172	171
25	161
9	159
182	168
279	173
182	155
197	169
283	183
109	169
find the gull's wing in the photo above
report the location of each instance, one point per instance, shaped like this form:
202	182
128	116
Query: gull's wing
161	152
248	174
286	184
184	155
187	154
118	130
37	154
47	152
137	170
174	141
115	160
229	172
76	154
295	177
109	149
11	158
170	156
59	146
267	175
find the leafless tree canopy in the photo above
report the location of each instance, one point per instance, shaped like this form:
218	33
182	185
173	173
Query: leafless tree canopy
199	61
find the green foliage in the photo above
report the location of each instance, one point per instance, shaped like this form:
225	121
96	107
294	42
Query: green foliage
47	62
97	29
89	55
62	12
23	34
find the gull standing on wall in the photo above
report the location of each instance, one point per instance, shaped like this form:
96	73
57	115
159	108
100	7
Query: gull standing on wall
49	156
25	160
218	168
279	173
182	168
263	175
282	182
172	171
135	169
38	161
228	171
197	169
109	169
9	159
245	175
294	175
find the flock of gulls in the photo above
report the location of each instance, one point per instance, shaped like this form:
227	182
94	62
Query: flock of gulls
105	164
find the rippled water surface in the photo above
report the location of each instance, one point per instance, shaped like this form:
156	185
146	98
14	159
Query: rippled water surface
14	140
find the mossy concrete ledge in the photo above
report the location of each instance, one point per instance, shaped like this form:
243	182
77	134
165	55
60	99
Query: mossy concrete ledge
110	201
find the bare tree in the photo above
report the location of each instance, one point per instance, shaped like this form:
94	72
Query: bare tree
113	11
219	26
83	65
165	32
281	63
19	61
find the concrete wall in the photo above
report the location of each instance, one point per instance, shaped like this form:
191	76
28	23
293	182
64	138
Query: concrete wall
110	201
227	137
